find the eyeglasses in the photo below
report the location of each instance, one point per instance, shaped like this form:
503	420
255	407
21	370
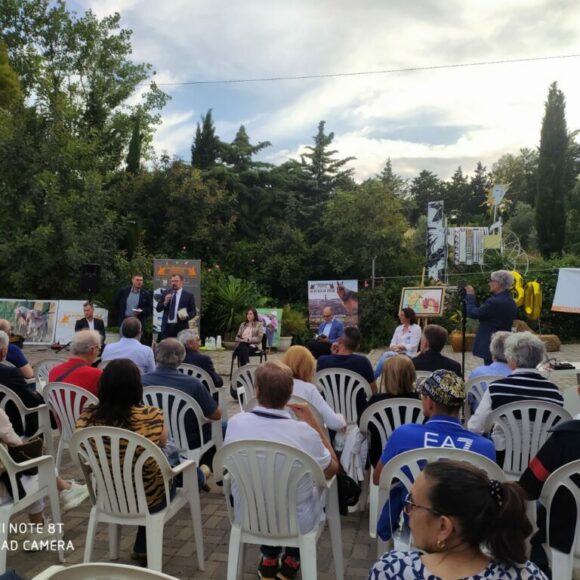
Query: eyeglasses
410	506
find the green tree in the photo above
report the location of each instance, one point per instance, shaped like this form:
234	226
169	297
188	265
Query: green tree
134	153
519	173
324	171
522	222
10	92
457	196
424	188
391	180
359	224
473	205
552	175
207	147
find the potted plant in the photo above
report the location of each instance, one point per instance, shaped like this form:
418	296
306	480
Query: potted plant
455	337
293	323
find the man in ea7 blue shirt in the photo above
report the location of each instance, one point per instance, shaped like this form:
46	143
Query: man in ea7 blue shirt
442	396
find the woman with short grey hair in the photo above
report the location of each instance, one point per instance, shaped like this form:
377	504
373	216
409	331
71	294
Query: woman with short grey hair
524	350
504	278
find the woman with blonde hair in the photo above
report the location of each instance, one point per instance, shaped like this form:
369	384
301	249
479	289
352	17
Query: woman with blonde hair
302	364
397	380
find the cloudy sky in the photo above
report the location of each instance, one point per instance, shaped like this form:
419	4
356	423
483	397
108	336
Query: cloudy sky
434	120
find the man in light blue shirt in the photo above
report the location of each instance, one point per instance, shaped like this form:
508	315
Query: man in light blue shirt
499	366
130	347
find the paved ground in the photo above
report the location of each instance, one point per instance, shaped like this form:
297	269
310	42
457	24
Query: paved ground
178	546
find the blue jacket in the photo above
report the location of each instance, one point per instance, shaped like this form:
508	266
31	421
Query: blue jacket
496	313
336	330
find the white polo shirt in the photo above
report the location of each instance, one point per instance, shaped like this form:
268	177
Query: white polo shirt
287	431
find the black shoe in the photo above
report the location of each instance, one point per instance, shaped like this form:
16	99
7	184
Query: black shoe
268	568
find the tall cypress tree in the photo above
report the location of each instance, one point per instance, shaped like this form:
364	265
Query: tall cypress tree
206	148
552	175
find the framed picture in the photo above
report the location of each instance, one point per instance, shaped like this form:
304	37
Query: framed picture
425	301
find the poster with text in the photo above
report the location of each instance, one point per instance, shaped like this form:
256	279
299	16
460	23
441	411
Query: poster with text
340	295
162	272
69	311
271	319
35	320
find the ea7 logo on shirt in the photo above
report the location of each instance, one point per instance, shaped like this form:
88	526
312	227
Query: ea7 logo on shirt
440	440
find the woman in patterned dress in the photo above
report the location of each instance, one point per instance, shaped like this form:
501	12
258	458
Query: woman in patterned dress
454	509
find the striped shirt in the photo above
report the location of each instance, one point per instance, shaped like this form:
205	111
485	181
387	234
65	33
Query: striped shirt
523	385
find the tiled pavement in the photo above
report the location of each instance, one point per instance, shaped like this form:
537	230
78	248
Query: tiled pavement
179	557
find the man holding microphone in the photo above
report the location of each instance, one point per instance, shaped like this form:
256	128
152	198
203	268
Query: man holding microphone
496	313
178	307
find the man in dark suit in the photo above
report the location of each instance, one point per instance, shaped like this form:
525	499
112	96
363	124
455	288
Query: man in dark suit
90	322
178	307
430	358
134	301
496	313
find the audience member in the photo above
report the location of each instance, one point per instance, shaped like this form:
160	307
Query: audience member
129	346
329	332
405	340
89	322
499	364
454	511
442	396
524	352
13	379
302	364
170	354
269	421
71	494
192	343
121	405
398	380
496	313
561	448
344	357
249	336
15	355
78	369
430	357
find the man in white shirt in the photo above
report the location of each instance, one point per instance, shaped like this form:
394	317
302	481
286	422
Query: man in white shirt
270	421
129	346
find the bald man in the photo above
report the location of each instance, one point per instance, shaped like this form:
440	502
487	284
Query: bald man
329	332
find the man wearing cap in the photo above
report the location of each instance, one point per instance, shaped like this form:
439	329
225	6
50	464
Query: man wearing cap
442	396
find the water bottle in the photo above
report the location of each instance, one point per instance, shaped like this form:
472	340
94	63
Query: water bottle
339	439
219	341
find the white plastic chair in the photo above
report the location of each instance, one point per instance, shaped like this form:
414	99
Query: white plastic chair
176	405
112	461
526	426
242	383
204	377
562	563
103	364
267	476
474	390
66	402
385	416
6	363
46	488
8	396
99	571
340	388
41	370
414	462
572	401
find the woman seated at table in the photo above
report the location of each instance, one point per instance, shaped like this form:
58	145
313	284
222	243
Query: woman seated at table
454	509
405	340
249	337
